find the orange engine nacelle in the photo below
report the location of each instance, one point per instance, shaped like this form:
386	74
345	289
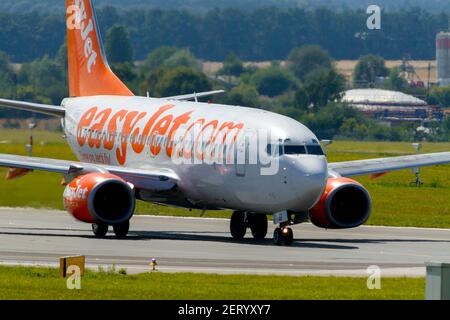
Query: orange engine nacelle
344	204
100	198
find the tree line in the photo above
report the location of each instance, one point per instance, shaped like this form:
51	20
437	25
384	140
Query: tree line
205	5
268	33
307	87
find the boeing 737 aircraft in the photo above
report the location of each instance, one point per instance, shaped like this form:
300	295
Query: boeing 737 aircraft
177	151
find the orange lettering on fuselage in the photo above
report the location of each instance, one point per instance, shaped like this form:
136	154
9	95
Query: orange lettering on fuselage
85	121
110	139
131	121
94	139
139	145
177	123
187	152
158	130
201	154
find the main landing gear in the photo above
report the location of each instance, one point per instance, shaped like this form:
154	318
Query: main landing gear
120	230
240	221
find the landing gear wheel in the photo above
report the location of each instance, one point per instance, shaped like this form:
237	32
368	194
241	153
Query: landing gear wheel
283	236
258	225
121	230
278	237
100	230
288	237
238	225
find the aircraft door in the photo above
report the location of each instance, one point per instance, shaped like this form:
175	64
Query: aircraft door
241	156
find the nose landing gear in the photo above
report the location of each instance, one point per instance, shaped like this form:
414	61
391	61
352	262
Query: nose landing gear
283	236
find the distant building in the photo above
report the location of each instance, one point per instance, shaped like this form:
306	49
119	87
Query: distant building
392	106
443	58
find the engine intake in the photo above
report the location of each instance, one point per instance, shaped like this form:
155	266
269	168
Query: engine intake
100	197
344	204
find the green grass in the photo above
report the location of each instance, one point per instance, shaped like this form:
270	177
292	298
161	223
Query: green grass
18	283
396	202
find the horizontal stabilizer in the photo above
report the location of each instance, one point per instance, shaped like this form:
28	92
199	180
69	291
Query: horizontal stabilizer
55	111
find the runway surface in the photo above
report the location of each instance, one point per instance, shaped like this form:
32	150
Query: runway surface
40	237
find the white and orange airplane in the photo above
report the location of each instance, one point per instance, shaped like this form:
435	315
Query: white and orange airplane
171	151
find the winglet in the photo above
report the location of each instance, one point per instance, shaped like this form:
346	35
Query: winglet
89	72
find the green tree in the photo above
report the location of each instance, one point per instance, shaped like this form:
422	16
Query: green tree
182	58
322	87
181	80
302	61
301	100
118	45
157	57
45	78
7	77
352	128
127	73
243	95
440	96
396	81
273	81
368	69
232	66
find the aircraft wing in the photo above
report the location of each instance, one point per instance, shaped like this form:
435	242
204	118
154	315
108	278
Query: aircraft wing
147	178
194	96
383	165
56	111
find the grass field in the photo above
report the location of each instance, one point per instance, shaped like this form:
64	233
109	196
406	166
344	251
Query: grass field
38	283
397	202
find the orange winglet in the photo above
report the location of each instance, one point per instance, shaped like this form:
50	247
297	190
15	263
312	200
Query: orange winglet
15	173
89	72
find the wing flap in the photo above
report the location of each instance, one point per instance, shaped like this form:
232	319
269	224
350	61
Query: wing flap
382	165
195	96
147	178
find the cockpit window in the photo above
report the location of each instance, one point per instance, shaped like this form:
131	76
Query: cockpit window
294	150
315	150
271	148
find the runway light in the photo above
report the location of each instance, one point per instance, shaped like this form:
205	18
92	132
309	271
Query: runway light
153	264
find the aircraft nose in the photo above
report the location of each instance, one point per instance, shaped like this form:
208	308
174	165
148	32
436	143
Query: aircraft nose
310	175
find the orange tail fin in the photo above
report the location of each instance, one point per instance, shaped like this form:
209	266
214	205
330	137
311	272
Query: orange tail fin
89	72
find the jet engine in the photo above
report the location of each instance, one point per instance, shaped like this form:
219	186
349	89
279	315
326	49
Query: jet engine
100	198
344	204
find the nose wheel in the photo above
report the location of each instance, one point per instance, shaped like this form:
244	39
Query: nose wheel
283	236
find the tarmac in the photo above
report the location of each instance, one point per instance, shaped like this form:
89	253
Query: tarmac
202	245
